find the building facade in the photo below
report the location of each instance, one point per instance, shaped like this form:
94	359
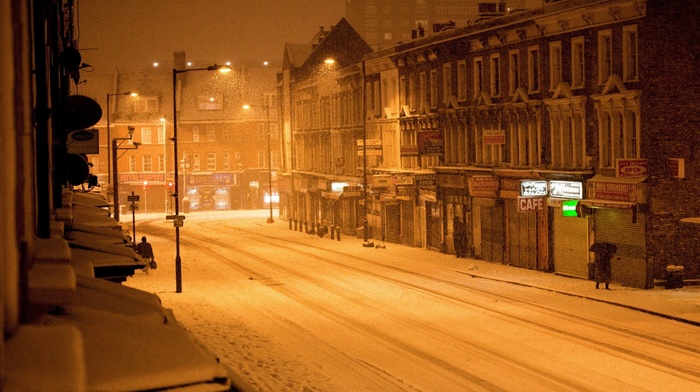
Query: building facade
223	148
545	131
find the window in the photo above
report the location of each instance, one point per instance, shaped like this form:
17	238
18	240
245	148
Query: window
161	163
145	135
161	134
144	104
147	163
261	158
462	81
478	76
211	161
630	61
195	133
495	75
554	65
210	102
513	71
533	69
604	56
618	122
225	134
196	163
211	133
405	92
422	90
132	163
446	82
413	93
226	161
577	63
433	88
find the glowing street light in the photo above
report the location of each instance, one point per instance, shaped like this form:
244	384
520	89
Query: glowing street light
178	220
270	219
109	137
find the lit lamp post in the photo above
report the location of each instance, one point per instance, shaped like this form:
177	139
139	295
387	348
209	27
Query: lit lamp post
109	138
270	219
178	220
165	165
115	148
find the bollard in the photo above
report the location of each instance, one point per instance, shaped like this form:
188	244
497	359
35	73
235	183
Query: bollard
332	233
295	224
290	224
337	236
306	226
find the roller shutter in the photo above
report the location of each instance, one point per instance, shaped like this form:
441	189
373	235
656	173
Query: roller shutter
619	226
570	245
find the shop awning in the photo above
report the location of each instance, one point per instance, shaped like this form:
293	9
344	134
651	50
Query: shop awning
602	203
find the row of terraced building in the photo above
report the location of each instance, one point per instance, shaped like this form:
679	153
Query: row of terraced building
545	131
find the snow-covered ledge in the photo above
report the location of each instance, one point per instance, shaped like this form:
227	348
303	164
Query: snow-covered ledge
51	279
64	215
52	250
43	358
51	284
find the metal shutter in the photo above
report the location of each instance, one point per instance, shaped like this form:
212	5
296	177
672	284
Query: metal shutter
570	245
616	226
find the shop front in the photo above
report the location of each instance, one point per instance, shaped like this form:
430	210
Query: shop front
209	191
619	218
488	237
453	196
571	229
525	216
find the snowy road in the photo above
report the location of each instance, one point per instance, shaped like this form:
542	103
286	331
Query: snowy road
294	312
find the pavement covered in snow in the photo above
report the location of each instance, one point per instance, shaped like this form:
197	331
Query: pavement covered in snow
294	312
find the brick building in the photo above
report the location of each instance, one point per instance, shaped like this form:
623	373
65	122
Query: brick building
546	131
222	147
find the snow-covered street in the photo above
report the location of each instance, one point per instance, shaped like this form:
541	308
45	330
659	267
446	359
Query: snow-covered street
290	311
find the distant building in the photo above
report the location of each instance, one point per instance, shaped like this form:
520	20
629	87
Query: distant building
223	148
384	23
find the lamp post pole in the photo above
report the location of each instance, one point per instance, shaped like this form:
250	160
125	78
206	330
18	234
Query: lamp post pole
115	158
269	161
109	139
178	221
364	154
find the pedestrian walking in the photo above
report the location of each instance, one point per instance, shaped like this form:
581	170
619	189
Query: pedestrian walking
604	252
459	233
145	250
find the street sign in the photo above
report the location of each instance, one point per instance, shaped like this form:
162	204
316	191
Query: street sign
178	222
132	198
176	217
133	207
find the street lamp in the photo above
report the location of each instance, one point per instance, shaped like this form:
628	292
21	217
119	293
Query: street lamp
109	133
270	219
165	164
115	158
178	220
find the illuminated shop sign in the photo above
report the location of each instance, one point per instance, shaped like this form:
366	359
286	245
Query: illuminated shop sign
338	186
568	208
533	188
566	189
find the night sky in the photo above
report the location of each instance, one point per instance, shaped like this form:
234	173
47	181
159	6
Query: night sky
135	33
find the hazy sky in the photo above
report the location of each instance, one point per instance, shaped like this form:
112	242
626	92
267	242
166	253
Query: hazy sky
134	33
